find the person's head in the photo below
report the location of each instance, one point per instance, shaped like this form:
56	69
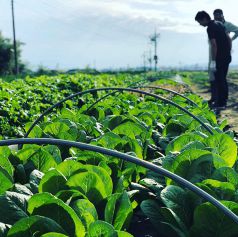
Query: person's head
218	15
203	18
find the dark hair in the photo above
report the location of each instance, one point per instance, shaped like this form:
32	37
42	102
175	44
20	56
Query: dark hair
218	11
201	15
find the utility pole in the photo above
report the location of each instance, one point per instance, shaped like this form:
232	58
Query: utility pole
144	60
150	59
14	38
153	39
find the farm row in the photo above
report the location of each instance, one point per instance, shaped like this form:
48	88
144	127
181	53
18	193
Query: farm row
64	190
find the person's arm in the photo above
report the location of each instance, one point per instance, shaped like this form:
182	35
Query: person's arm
231	28
212	66
212	38
230	40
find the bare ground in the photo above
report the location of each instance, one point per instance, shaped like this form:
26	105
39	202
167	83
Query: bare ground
231	112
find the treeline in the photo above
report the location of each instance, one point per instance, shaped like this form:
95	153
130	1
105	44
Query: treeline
7	63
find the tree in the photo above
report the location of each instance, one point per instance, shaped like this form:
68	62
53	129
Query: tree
7	64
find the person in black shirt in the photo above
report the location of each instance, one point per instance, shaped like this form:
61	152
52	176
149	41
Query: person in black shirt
220	57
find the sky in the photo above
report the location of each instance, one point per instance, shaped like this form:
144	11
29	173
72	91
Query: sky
67	34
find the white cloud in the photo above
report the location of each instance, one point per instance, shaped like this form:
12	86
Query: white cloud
162	14
75	32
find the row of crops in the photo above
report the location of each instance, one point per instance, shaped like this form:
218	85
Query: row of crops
72	176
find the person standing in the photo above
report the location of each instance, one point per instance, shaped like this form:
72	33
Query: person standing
230	28
220	44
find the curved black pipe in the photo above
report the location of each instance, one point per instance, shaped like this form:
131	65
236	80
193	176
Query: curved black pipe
112	93
142	86
100	99
128	158
117	89
169	90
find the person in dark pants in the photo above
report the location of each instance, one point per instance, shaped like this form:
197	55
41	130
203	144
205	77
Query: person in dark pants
220	43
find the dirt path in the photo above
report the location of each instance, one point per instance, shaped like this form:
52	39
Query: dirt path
231	112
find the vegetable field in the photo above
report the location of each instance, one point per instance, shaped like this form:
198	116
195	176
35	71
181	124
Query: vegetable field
114	155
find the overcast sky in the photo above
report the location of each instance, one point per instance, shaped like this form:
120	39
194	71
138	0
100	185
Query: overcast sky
68	34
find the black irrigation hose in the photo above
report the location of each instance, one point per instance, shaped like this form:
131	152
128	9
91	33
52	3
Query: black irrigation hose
100	99
112	93
142	86
169	90
128	158
118	89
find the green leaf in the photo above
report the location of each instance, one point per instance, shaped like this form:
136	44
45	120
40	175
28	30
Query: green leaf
101	229
20	173
114	121
135	145
90	184
21	189
109	140
110	207
224	146
118	210
211	222
39	199
68	196
106	167
123	234
178	143
40	157
194	165
52	182
27	151
223	190
173	129
153	211
69	114
60	130
47	205
174	221
36	132
130	129
226	174
55	152
5	152
194	145
180	202
104	176
30	226
53	234
88	157
43	160
19	199
85	211
92	181
152	185
35	178
69	167
6	181
146	117
12	208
